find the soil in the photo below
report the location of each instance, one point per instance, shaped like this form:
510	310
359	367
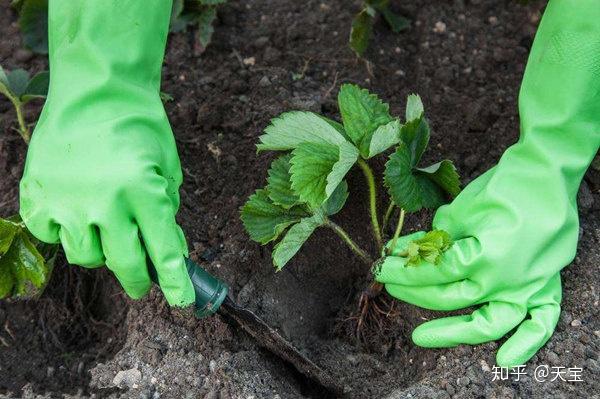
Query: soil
84	338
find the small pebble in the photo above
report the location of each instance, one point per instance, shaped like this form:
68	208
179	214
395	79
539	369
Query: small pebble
440	27
576	323
127	378
261	41
264	82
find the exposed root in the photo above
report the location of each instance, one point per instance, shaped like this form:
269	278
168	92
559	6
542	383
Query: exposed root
369	320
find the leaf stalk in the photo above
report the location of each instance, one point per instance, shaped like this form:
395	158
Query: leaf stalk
368	172
362	254
386	218
23	129
398	230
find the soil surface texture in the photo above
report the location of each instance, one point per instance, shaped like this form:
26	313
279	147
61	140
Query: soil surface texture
85	338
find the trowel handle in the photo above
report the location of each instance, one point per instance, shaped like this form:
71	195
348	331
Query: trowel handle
210	291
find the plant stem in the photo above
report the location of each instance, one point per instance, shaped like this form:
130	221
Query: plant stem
386	218
351	244
23	129
372	200
397	232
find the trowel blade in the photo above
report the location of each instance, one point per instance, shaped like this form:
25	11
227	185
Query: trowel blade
272	340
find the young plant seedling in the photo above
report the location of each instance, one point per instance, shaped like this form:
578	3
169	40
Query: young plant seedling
19	88
25	262
306	185
201	13
362	24
33	20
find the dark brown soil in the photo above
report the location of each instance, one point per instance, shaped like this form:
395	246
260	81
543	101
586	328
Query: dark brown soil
468	76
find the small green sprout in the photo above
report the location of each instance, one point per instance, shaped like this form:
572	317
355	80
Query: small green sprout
428	248
19	88
201	13
362	24
33	20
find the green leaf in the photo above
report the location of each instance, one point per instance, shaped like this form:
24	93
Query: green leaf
444	174
413	188
3	77
414	108
4	85
279	183
338	127
428	248
290	129
6	280
165	97
338	198
317	169
33	20
178	21
361	32
296	236
17	81
402	185
384	137
396	22
265	221
8	230
205	26
362	113
37	87
25	263
415	135
17	4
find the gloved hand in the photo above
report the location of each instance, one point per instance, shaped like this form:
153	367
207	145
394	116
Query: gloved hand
516	226
102	172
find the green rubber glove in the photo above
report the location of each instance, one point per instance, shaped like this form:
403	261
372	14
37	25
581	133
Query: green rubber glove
102	172
516	226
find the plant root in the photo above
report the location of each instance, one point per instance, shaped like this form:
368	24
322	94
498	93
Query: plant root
369	321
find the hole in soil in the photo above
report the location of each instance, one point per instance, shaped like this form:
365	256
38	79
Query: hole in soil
307	300
52	342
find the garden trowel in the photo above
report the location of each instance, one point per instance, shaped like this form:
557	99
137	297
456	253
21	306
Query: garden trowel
212	295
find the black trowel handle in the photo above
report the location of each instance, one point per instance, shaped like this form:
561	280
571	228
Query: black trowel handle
210	291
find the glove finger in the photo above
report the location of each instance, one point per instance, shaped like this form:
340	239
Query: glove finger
488	323
456	264
43	227
162	239
81	244
534	332
451	296
126	258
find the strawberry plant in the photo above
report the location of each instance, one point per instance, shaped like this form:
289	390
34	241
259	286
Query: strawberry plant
201	13
25	262
306	184
362	23
19	88
33	20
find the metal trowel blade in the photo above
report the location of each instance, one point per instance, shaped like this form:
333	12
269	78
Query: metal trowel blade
272	340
